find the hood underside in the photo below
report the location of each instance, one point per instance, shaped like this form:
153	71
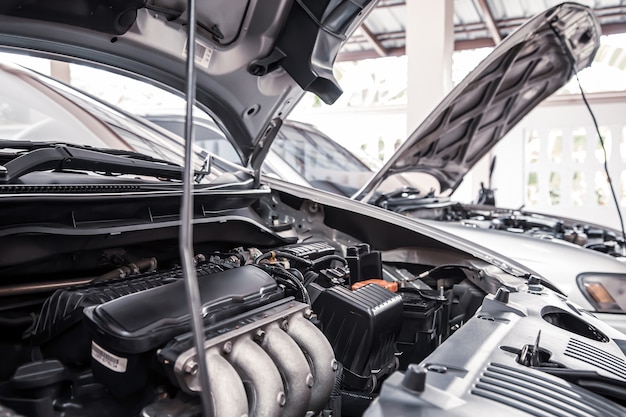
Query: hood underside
525	68
254	59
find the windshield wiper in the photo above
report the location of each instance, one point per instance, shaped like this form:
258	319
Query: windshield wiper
28	145
54	156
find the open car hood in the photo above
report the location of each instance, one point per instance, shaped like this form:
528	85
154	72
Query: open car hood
254	59
525	68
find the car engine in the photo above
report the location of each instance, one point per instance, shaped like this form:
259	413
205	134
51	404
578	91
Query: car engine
315	323
541	226
296	330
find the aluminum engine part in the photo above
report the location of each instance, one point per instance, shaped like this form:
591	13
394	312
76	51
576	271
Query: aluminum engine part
277	363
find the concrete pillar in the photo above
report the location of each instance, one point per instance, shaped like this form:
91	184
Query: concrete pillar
429	47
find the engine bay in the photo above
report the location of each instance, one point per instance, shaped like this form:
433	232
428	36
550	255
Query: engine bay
308	309
315	324
541	226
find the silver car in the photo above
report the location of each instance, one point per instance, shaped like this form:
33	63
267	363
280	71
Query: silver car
133	285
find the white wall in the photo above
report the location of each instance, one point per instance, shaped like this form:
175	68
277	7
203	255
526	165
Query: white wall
567	116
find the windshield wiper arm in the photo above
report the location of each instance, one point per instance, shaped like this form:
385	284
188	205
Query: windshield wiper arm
28	145
65	157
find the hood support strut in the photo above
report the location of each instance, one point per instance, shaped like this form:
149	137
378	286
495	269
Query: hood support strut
186	217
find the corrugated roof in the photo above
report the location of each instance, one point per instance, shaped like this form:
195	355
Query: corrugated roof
477	23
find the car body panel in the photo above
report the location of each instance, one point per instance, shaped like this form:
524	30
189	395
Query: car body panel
246	100
562	261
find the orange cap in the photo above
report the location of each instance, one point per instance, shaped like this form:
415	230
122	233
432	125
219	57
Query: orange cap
391	286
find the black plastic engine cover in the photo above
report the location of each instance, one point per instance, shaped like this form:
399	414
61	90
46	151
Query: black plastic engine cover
127	331
60	332
142	321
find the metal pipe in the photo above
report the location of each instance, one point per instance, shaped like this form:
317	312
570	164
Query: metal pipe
186	218
254	365
322	358
143	265
228	398
41	286
294	369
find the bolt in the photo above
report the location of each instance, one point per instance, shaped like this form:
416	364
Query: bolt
284	325
308	313
310	381
442	294
228	347
502	295
414	378
282	399
259	336
334	364
191	367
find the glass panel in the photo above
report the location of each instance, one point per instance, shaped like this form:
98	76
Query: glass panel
533	146
603	191
322	162
532	189
555	188
555	146
579	145
608	142
579	187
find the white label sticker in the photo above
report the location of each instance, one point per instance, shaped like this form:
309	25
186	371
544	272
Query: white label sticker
111	361
203	53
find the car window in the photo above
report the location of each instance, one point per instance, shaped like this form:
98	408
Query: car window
319	160
29	111
37	108
208	135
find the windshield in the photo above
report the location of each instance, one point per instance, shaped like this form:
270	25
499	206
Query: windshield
38	108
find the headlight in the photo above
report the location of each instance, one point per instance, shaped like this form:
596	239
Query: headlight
606	292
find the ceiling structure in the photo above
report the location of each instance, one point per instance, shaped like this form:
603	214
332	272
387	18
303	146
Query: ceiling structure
477	24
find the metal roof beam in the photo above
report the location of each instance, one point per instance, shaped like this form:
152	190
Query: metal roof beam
613	28
371	54
490	22
367	54
371	38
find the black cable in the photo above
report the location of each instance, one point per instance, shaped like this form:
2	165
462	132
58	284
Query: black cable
572	61
606	160
296	273
309	277
330	258
282	276
440	268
